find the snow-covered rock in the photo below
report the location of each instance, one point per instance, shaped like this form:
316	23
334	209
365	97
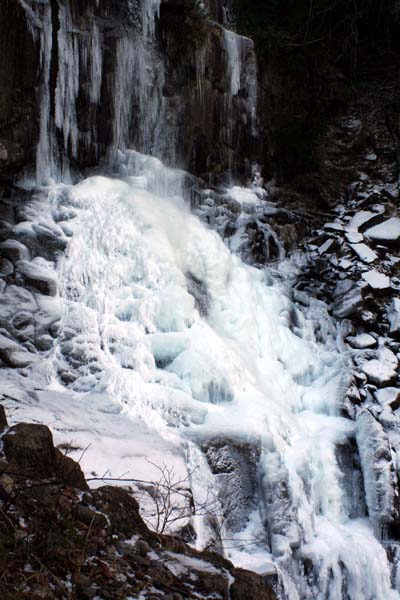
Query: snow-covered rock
335	226
362	341
378	470
386	232
353	236
376	280
14	250
14	355
361	218
38	275
393	315
364	252
381	371
389	396
325	247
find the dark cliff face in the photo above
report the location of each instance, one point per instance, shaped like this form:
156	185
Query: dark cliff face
19	112
80	79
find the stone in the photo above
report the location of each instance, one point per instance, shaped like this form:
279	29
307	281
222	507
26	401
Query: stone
362	219
389	396
29	448
382	371
387	232
3	418
353	237
38	277
347	299
362	341
90	517
122	510
250	585
325	247
69	471
377	281
364	252
393	315
14	251
44	342
333	227
6	267
13	354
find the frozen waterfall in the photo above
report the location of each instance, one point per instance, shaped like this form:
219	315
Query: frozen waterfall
173	351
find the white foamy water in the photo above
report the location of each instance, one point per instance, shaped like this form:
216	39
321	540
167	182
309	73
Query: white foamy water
170	344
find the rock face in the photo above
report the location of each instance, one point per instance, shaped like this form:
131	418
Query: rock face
45	515
19	110
97	78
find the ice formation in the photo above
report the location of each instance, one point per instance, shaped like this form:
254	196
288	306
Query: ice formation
148	375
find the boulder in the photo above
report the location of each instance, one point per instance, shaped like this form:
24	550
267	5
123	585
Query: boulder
14	251
379	282
38	276
31	453
364	252
250	585
14	355
381	371
362	341
389	396
387	233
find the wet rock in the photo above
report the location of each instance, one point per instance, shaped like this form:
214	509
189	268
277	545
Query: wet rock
5	229
15	299
22	320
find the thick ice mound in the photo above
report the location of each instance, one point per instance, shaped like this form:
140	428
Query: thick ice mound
171	344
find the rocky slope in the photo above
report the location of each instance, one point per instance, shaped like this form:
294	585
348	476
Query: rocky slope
59	539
